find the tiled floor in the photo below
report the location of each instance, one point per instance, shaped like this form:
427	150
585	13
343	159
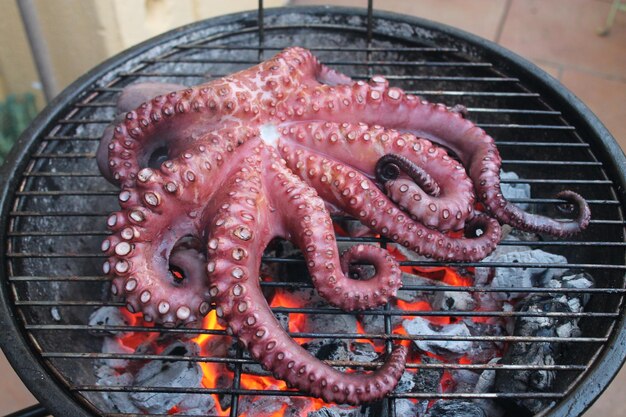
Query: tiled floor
560	37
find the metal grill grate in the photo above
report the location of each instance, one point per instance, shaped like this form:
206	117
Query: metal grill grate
56	202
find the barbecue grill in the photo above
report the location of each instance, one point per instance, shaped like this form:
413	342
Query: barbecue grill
54	201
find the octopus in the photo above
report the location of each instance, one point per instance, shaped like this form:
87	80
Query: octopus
210	175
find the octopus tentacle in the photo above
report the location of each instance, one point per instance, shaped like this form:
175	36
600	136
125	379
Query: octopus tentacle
362	146
308	225
359	197
234	256
390	166
376	103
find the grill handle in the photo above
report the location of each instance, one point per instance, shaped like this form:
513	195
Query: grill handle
36	410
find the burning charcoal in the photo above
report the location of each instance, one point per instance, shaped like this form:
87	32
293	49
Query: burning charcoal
340	411
362	352
120	401
261	406
169	374
107	316
453	300
330	323
406	383
416	280
482	276
514	190
509	277
428	379
422	327
535	353
464	380
455	408
405	407
113	345
329	350
197	405
375	324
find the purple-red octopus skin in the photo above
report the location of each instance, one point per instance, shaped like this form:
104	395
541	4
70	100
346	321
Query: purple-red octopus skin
209	175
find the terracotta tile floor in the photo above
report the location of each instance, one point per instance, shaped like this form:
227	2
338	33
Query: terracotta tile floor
559	36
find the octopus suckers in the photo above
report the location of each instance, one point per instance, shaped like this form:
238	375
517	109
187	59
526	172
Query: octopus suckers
131	284
183	313
237	273
243	233
124	196
145	296
204	308
145	174
122	248
137	216
106	244
112	220
210	267
122	266
164	307
213	244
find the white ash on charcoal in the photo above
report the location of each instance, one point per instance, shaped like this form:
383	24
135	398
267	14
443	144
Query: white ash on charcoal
455	408
412	280
406	407
465	380
111	345
535	353
171	374
514	190
330	323
422	327
573	280
485	383
454	301
265	405
118	401
521	277
341	350
107	316
343	411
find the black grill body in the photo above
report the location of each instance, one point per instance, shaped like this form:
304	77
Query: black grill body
54	202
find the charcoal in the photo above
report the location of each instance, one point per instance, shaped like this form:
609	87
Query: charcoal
418	295
329	350
197	405
330	323
107	316
375	324
120	401
406	382
341	411
508	277
514	190
405	407
261	406
362	352
167	373
428	379
455	408
485	383
224	381
453	300
422	327
55	313
464	379
483	275
535	353
113	345
572	279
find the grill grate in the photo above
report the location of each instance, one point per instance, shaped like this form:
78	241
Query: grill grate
57	204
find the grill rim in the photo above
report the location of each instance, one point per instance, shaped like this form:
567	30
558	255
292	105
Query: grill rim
38	377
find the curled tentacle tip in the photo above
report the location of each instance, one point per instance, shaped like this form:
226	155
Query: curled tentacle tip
575	203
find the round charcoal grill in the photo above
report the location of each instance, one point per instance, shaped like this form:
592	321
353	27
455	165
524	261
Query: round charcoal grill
54	201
